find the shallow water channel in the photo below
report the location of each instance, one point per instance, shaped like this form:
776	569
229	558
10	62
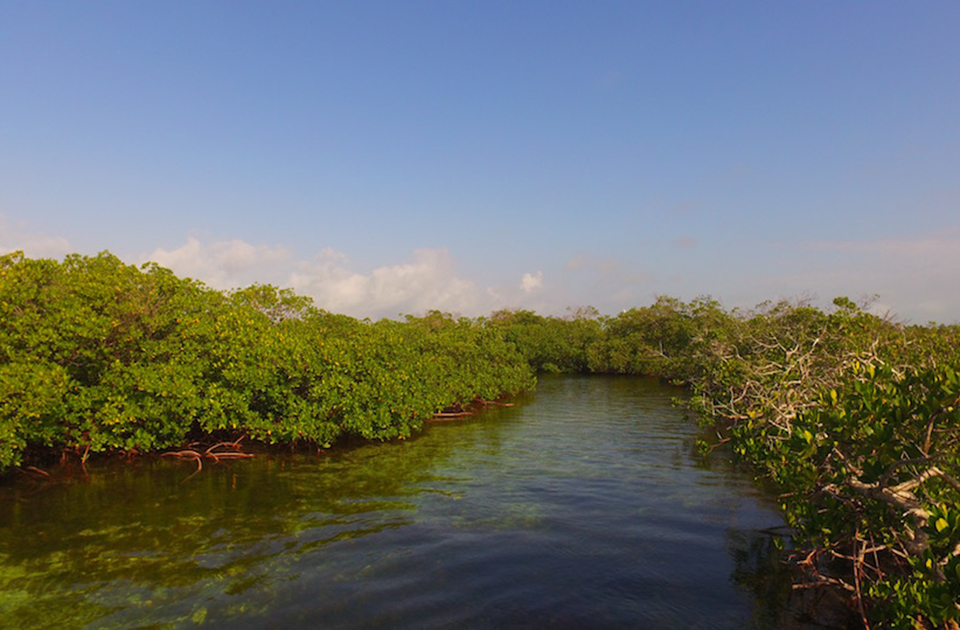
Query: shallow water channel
583	506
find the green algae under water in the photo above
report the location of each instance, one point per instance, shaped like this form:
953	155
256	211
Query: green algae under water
583	506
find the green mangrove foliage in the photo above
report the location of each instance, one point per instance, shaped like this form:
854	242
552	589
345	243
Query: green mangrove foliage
855	418
550	344
97	356
665	339
870	476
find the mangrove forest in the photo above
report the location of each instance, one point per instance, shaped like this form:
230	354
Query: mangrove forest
851	417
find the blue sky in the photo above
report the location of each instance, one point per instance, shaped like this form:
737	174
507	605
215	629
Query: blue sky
388	157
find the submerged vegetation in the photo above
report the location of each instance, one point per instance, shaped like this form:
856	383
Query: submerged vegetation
854	417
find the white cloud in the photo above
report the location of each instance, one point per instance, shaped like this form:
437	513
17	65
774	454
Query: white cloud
226	264
530	281
32	244
917	279
427	282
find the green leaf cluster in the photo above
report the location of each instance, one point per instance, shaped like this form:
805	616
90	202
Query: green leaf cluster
97	356
550	344
875	465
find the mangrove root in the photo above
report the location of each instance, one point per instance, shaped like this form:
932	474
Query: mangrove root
451	415
210	453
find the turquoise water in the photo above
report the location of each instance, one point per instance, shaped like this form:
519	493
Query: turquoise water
583	506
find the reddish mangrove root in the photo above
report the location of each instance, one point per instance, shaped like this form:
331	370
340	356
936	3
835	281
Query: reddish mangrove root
210	453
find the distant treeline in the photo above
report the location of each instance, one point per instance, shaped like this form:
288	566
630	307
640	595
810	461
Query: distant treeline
856	418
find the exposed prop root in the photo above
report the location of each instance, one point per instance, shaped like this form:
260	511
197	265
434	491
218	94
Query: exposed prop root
210	453
493	403
780	531
452	415
460	410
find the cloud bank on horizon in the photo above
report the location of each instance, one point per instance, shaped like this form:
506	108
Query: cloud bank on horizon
913	272
392	158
